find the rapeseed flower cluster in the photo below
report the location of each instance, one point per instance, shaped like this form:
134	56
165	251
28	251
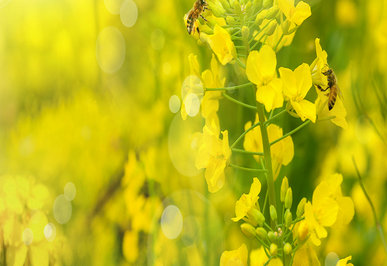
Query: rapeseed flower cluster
245	37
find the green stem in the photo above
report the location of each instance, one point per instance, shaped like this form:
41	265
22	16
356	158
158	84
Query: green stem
240	63
230	88
291	132
246	168
243	134
377	223
239	102
246	152
267	155
275	116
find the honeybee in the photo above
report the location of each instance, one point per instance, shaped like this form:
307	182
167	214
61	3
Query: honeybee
334	89
196	11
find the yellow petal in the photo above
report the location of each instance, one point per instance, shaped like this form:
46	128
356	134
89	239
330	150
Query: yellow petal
236	257
301	13
286	6
252	68
267	63
290	83
303	79
305	110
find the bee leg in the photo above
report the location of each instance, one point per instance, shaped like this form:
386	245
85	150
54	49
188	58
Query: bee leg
204	18
321	89
327	94
197	28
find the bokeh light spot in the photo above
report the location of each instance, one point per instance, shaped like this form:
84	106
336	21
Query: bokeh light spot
50	231
128	13
28	236
3	3
110	50
192	85
70	191
331	259
192	104
171	222
62	209
174	104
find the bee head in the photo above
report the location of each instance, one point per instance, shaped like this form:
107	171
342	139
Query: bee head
328	72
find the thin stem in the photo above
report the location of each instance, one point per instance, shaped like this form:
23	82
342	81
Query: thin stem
239	102
246	152
291	132
377	223
243	134
267	155
275	116
230	88
240	63
326	118
246	168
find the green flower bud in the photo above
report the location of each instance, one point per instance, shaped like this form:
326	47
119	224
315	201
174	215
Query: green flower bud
289	198
256	217
273	249
248	230
217	9
267	3
285	26
273	213
237	6
272	12
245	33
287	248
288	218
261	16
261	232
284	188
300	207
271	27
230	20
271	236
258	4
225	4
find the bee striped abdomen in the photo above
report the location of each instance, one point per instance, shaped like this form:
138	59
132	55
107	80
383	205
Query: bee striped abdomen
332	97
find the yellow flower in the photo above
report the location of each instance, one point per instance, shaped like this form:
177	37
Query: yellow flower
247	201
344	262
221	44
237	257
296	14
212	78
261	70
258	257
282	152
327	208
295	86
317	68
306	256
213	154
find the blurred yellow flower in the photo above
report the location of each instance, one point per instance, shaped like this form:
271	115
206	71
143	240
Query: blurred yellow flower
282	152
261	70
296	14
130	246
296	85
247	201
258	257
344	262
327	208
306	256
213	154
237	257
221	44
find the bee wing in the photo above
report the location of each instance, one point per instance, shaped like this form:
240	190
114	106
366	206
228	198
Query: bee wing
340	93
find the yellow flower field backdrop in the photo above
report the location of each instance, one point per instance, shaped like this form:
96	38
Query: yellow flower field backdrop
258	139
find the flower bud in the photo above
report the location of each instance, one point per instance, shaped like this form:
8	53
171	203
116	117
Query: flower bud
230	20
271	27
260	218
261	232
288	218
267	3
248	6
248	230
272	12
217	9
303	231
285	26
289	198
284	188
237	6
273	213
300	207
225	4
245	33
273	249
287	248
258	4
254	217
261	16
271	236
